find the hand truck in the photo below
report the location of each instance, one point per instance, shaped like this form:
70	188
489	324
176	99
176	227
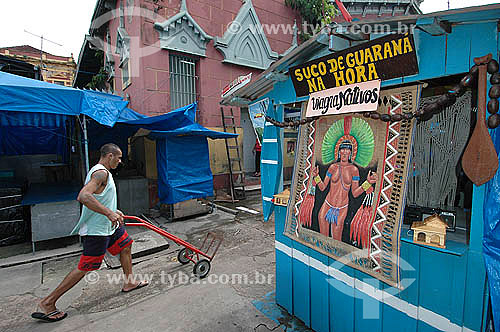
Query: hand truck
189	253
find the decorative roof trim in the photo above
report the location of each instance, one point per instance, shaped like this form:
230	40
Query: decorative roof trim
123	33
181	33
244	42
122	44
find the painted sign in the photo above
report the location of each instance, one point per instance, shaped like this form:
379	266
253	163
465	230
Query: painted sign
257	113
384	58
349	183
238	83
360	97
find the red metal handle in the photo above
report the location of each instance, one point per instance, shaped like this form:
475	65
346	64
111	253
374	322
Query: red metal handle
144	223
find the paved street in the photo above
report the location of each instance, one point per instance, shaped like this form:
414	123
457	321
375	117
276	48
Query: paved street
175	301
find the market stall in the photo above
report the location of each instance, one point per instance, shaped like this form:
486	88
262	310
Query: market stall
384	227
41	151
50	133
183	163
182	160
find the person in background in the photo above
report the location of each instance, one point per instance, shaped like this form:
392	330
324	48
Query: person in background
257	149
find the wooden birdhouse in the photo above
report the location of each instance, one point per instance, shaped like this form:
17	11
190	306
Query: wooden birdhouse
282	198
430	232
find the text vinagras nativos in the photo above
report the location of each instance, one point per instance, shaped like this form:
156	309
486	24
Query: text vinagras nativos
351	96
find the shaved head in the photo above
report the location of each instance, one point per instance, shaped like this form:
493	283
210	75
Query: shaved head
110	148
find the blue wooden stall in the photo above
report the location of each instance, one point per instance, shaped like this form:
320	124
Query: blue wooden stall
447	290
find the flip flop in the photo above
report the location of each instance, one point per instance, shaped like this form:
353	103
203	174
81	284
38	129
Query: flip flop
46	317
140	285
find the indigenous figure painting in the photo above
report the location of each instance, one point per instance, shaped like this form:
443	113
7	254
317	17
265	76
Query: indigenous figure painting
349	184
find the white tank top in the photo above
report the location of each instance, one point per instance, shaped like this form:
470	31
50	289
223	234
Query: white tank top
93	223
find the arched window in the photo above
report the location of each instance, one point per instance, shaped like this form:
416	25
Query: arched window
421	237
436	239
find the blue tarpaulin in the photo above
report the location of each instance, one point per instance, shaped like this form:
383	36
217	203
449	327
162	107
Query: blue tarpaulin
182	148
21	94
172	120
130	121
491	237
183	169
34	114
183	159
32	133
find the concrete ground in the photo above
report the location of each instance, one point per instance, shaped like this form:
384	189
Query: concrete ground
242	274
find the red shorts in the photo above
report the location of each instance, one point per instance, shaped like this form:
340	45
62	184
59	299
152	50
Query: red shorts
94	248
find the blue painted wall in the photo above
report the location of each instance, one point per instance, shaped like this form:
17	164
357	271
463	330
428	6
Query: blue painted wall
447	288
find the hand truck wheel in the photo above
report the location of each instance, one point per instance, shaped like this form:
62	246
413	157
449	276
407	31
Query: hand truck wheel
201	268
183	255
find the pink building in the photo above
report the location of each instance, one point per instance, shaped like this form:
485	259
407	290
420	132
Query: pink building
164	54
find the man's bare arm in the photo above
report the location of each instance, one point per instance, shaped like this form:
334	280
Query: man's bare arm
87	198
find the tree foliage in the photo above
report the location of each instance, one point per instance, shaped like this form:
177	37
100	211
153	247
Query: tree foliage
317	13
99	80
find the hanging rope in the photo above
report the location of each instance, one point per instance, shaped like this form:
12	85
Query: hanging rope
437	148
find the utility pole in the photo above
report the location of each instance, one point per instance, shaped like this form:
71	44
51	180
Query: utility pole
41	47
448	4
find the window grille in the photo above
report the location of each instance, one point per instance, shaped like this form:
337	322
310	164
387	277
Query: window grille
125	75
182	81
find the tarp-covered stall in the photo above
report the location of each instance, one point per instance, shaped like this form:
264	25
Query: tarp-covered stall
182	157
20	94
44	110
39	117
38	122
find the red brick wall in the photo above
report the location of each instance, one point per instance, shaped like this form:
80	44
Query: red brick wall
149	91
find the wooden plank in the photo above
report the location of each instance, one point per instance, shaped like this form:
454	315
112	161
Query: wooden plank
279	226
431	53
271	179
368	309
394	81
409	267
476	273
284	280
395	319
341	298
457	285
477	219
283	261
475	288
301	283
423	327
441	273
319	291
459	39
487	43
431	56
435	274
